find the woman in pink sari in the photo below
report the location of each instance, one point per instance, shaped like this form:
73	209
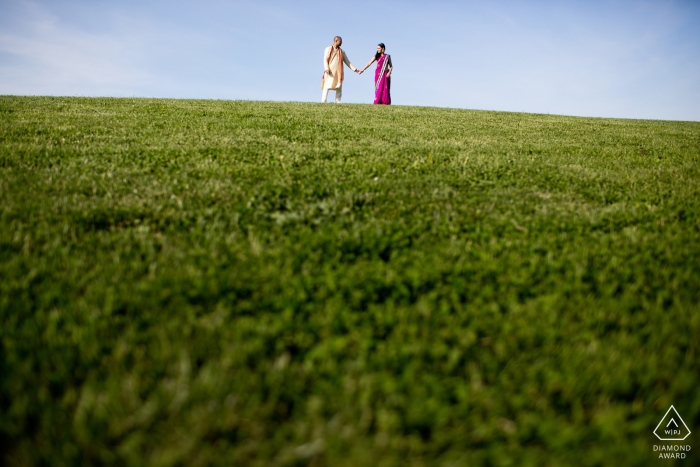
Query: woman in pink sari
382	76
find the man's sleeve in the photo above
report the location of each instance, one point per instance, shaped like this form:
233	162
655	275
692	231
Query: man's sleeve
325	60
347	62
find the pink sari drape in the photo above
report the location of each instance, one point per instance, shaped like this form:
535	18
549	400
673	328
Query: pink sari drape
382	83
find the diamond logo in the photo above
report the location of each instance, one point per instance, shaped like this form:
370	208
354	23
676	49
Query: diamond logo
672	427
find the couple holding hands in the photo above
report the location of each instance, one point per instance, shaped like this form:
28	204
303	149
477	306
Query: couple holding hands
334	58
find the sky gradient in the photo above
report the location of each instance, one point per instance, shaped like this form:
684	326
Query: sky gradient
630	59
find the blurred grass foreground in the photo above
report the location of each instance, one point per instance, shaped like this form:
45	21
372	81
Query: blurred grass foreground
188	283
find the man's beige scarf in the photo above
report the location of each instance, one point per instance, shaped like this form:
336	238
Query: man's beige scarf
338	51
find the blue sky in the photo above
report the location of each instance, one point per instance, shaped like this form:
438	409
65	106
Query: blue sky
631	59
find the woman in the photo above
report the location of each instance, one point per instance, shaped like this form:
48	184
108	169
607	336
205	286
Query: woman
382	76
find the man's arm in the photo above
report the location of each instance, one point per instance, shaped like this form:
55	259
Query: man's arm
347	62
326	57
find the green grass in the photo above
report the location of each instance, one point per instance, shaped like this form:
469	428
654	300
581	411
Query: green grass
252	283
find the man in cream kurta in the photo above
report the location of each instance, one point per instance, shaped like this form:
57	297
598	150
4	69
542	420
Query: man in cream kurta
331	73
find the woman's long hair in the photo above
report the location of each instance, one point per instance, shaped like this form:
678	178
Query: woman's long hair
377	55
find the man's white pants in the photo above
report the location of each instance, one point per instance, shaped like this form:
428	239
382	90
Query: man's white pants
338	95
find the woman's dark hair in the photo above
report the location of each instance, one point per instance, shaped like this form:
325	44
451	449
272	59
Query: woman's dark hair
377	55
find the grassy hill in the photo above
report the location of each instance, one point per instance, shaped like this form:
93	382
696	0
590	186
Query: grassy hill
253	283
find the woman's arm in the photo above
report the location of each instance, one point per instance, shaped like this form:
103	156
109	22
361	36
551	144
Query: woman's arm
391	67
368	64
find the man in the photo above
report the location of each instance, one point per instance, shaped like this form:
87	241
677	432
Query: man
333	59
